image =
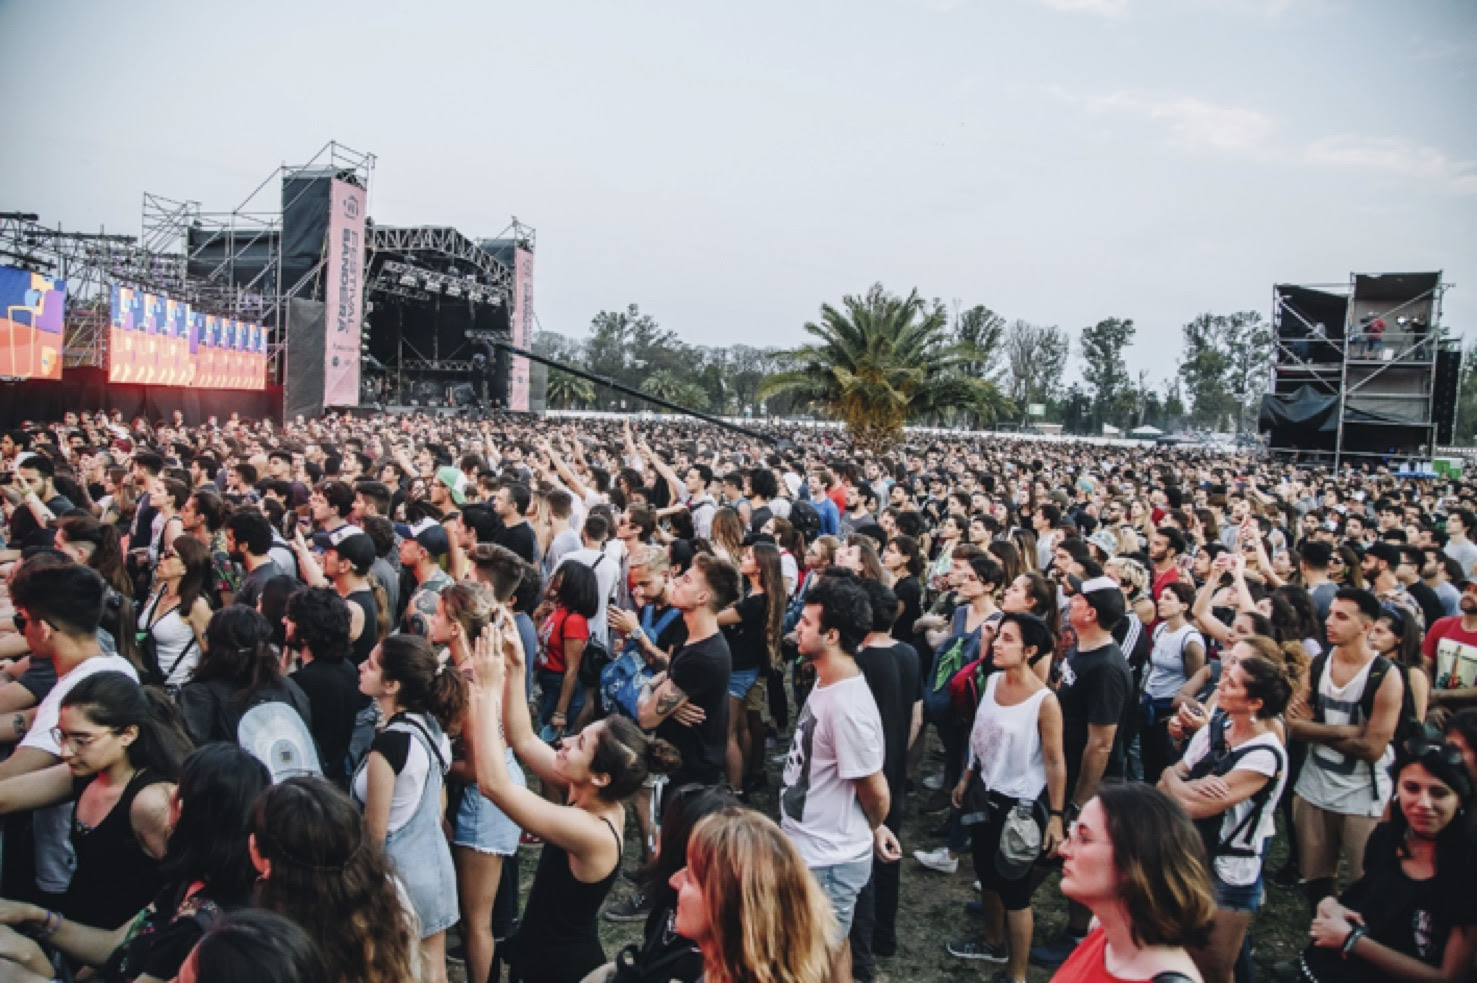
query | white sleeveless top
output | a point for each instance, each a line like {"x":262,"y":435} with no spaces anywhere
{"x":1337,"y":782}
{"x":1005,"y":744}
{"x":172,"y":637}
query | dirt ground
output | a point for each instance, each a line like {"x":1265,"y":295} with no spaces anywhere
{"x":932,"y":907}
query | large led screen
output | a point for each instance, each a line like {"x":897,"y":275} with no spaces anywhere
{"x":32,"y":312}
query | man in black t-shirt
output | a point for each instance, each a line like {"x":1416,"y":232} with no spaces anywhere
{"x":892,"y":673}
{"x":317,"y":623}
{"x":516,"y":534}
{"x":1095,"y":694}
{"x":689,"y":702}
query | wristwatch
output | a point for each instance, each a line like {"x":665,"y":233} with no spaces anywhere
{"x":638,"y":634}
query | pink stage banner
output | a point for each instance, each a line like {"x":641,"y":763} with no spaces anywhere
{"x":521,"y":328}
{"x":344,"y":294}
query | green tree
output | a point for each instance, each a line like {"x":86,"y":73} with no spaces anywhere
{"x":666,"y":384}
{"x":1036,"y":360}
{"x":1225,"y":364}
{"x":880,"y":361}
{"x":567,"y":391}
{"x":1104,"y":371}
{"x":983,"y":330}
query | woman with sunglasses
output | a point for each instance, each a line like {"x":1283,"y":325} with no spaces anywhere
{"x":177,"y":613}
{"x":1412,"y":915}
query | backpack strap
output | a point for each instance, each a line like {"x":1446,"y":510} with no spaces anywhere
{"x":1315,"y":680}
{"x":430,"y":742}
{"x":1226,"y":763}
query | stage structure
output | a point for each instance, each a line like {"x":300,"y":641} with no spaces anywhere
{"x":438,"y":303}
{"x":1363,"y":369}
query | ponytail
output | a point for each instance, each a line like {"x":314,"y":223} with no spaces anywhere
{"x":111,"y":699}
{"x":629,"y":756}
{"x":381,"y":609}
{"x":428,"y":684}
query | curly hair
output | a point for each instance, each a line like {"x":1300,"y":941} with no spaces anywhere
{"x":329,"y":877}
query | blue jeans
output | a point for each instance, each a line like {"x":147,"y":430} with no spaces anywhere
{"x":548,"y":700}
{"x":842,"y":883}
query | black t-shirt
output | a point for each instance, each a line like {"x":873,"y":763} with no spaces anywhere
{"x":701,"y":670}
{"x":758,"y":517}
{"x":1415,"y":918}
{"x":1431,"y":606}
{"x":910,"y":593}
{"x":746,"y":639}
{"x":893,"y":677}
{"x":333,"y":693}
{"x":253,"y":582}
{"x":364,"y":644}
{"x":1097,"y":688}
{"x":520,"y":539}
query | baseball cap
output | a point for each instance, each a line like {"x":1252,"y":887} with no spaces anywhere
{"x":434,"y":539}
{"x":452,"y":479}
{"x":1105,"y":541}
{"x":1384,"y":551}
{"x":1105,"y":596}
{"x":357,"y":549}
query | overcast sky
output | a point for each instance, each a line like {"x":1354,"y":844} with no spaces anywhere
{"x":729,"y":167}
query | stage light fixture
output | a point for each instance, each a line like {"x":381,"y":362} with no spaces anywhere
{"x":407,"y":280}
{"x":453,"y":290}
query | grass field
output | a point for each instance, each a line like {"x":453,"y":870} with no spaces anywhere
{"x":932,"y":908}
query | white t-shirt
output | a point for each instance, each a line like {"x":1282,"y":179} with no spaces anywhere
{"x":1167,"y":660}
{"x":837,"y":741}
{"x":53,"y":825}
{"x":410,"y":780}
{"x":1243,"y":871}
{"x":607,"y":576}
{"x":1338,"y":782}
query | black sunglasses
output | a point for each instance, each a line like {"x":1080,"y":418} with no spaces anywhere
{"x":21,"y":621}
{"x":1426,"y":751}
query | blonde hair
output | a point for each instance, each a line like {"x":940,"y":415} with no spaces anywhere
{"x":652,"y":559}
{"x":470,"y":605}
{"x":769,"y":920}
{"x":1133,"y":574}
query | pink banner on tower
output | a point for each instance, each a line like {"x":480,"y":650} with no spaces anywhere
{"x":344,"y":294}
{"x":521,"y":328}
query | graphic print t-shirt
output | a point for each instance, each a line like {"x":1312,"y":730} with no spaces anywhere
{"x":837,"y":741}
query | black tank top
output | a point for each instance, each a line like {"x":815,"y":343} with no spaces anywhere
{"x":365,"y":643}
{"x":558,"y":940}
{"x":114,"y":878}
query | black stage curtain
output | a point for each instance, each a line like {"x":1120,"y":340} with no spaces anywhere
{"x":87,"y":389}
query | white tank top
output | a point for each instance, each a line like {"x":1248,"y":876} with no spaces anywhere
{"x":1005,"y":744}
{"x":1338,"y":782}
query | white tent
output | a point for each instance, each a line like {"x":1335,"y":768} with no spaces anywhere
{"x":1146,"y":432}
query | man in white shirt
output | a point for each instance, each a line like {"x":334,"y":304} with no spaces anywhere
{"x":835,"y":795}
{"x":607,"y":569}
{"x":58,"y":609}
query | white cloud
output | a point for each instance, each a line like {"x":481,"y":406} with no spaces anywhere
{"x":1397,"y":157}
{"x":1103,"y":8}
{"x":1193,"y":123}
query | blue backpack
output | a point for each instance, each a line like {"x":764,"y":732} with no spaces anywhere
{"x":622,"y":680}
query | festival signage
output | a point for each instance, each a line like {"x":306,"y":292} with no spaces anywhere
{"x":343,"y":294}
{"x":156,"y":340}
{"x":521,"y":328}
{"x":32,"y":313}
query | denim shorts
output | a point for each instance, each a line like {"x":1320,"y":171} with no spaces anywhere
{"x":548,"y":700}
{"x":740,"y":681}
{"x":842,"y":883}
{"x":1244,"y":899}
{"x":482,"y":826}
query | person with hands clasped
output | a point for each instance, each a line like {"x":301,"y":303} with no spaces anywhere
{"x":1015,"y":752}
{"x":593,"y":772}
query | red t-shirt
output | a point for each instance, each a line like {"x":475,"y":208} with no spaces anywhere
{"x":1453,"y":653}
{"x":1088,"y":962}
{"x":560,"y":626}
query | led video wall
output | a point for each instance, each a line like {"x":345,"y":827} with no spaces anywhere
{"x":32,"y":310}
{"x":157,"y":341}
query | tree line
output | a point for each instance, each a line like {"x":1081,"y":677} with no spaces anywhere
{"x":902,"y":358}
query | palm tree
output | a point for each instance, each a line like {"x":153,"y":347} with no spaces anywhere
{"x":883,"y":361}
{"x":566,"y":391}
{"x":668,"y":385}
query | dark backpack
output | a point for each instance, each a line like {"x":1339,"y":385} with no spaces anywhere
{"x":1406,"y":726}
{"x":1221,"y":760}
{"x":805,"y":519}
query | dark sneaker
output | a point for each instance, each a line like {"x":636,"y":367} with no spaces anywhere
{"x":978,"y":949}
{"x":634,"y":909}
{"x":1055,"y":952}
{"x":975,"y":908}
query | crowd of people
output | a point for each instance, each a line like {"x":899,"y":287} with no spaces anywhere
{"x":284,"y":702}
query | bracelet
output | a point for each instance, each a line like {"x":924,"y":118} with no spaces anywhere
{"x":1057,"y":813}
{"x":1355,"y":934}
{"x":50,"y":925}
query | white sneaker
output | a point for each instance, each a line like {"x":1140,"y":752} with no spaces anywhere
{"x":934,"y":782}
{"x":938,"y":860}
{"x":977,"y":887}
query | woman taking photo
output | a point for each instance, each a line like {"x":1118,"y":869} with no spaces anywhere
{"x":1015,"y":753}
{"x":483,"y":837}
{"x":1411,"y":916}
{"x":1228,"y":783}
{"x":1135,"y":859}
{"x":594,"y":772}
{"x":319,"y":866}
{"x":748,"y":901}
{"x":401,"y":780}
{"x":122,"y":745}
{"x":176,"y":615}
{"x":752,"y":627}
{"x":207,"y":869}
{"x":574,"y":594}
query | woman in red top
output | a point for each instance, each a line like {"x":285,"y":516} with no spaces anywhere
{"x":1135,"y":859}
{"x":575,"y":595}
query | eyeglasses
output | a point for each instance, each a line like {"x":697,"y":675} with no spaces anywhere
{"x":1427,"y":752}
{"x":78,"y":742}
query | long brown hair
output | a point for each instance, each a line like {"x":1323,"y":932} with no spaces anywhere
{"x":772,"y":582}
{"x":1163,"y":873}
{"x":329,"y":877}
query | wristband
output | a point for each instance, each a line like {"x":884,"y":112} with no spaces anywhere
{"x":1057,"y":814}
{"x":1355,"y":934}
{"x":638,"y":634}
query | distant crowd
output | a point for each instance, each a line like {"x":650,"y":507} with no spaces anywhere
{"x":282,"y":703}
